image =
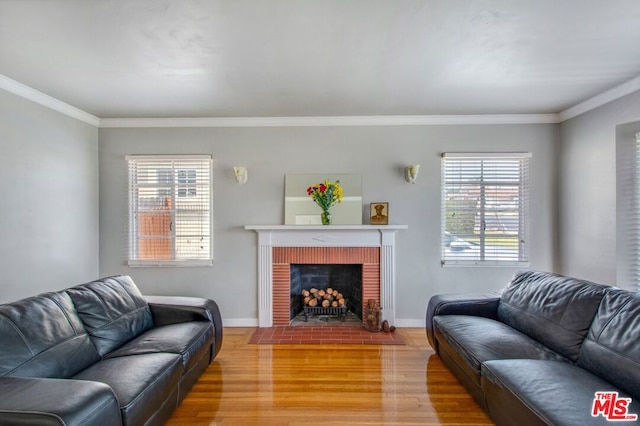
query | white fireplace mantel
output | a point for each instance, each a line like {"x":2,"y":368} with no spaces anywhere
{"x":270,"y":236}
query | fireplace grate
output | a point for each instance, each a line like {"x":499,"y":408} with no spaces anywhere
{"x":340,"y":311}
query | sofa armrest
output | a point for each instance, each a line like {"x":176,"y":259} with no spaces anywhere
{"x":479,"y":305}
{"x":36,"y":401}
{"x":171,"y":310}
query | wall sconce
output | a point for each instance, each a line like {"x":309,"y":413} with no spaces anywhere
{"x":241,"y":174}
{"x":411,"y":173}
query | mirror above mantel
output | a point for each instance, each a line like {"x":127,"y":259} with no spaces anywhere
{"x":300,"y":209}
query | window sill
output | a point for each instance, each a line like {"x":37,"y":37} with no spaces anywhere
{"x":482,"y":264}
{"x":170,"y":263}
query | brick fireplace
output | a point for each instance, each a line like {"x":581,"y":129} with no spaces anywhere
{"x":283,"y":257}
{"x":279,"y":246}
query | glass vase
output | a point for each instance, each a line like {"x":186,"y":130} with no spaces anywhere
{"x":326,"y":217}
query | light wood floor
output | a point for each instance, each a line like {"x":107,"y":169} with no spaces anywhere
{"x":301,"y":385}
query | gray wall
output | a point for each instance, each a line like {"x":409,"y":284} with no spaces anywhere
{"x":378,"y":153}
{"x":50,"y":227}
{"x":49,"y":193}
{"x":587,"y":179}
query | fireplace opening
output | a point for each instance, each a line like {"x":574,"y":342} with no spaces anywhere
{"x":345,"y":278}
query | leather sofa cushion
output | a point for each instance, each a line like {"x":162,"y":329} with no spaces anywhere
{"x":479,"y":305}
{"x":171,"y":310}
{"x":475,"y":340}
{"x":142,"y":383}
{"x":552,"y":309}
{"x":525,"y":391}
{"x":112,"y":310}
{"x":190,"y":340}
{"x":41,"y":402}
{"x":43,"y":336}
{"x":612,"y":347}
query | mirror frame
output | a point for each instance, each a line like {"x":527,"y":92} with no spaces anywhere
{"x":300,"y":209}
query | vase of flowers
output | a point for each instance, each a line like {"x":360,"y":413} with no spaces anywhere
{"x":325,"y":195}
{"x":326,"y":217}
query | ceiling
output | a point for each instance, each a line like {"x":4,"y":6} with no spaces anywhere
{"x":314,"y":58}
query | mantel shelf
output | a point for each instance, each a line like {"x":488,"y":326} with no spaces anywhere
{"x":324,"y":227}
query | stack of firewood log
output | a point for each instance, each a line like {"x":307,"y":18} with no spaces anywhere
{"x":327,"y":298}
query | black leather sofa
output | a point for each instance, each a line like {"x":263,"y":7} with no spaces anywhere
{"x":538,"y":352}
{"x":102,"y":354}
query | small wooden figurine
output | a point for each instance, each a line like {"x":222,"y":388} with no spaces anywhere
{"x":372,"y":315}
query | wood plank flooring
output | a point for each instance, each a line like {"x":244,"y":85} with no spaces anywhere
{"x":333,"y":384}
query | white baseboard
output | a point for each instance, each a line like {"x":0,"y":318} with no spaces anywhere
{"x":409,"y":322}
{"x":240,"y":322}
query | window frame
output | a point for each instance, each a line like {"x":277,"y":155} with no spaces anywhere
{"x":524,"y":217}
{"x":176,"y":189}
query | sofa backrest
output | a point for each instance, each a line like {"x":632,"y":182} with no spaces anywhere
{"x":43,"y":336}
{"x":611,"y":349}
{"x":552,"y":309}
{"x":113,"y":311}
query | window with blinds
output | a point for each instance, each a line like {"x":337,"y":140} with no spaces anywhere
{"x":635,"y":216}
{"x":628,"y":209}
{"x":485,"y":209}
{"x":170,"y":210}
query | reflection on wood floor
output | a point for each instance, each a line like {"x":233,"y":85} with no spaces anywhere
{"x":327,"y":385}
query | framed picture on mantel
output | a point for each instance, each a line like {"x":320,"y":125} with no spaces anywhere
{"x":379,"y":213}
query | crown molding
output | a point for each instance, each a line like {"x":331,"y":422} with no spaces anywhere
{"x":50,"y":102}
{"x":596,"y":101}
{"x":394,"y":120}
{"x":600,"y":99}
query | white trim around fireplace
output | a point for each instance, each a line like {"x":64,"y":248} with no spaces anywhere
{"x":270,"y":236}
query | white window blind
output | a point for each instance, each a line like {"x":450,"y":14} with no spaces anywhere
{"x":485,"y":209}
{"x":635,"y":214}
{"x":628,"y":211}
{"x":170,"y":210}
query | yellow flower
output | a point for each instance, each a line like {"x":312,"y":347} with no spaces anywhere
{"x":337,"y":192}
